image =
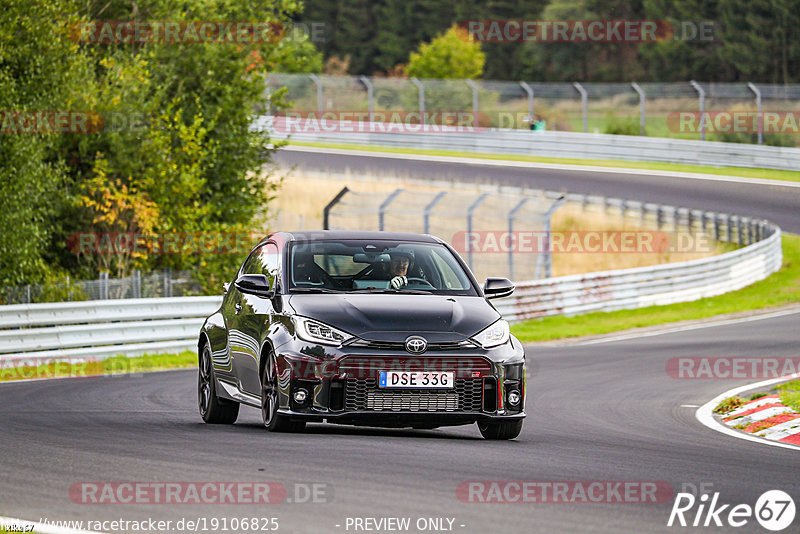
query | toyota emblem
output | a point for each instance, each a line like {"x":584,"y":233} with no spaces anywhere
{"x":416,"y":344}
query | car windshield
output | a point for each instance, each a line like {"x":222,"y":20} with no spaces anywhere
{"x":376,"y":266}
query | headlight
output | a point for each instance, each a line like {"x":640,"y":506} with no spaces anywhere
{"x":495,"y":334}
{"x":310,"y":330}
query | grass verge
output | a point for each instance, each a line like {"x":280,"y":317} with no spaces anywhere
{"x":769,"y":174}
{"x":781,"y":288}
{"x":790,"y":394}
{"x":47,"y":368}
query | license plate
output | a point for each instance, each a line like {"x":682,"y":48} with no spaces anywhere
{"x":416,"y":379}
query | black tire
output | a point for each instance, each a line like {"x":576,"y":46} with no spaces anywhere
{"x":269,"y":401}
{"x":213,"y":410}
{"x":502,"y":430}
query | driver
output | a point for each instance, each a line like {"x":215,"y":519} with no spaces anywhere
{"x":398,"y":269}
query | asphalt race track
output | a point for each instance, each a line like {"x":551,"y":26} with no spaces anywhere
{"x":603,"y":412}
{"x":599,"y":412}
{"x":777,"y":203}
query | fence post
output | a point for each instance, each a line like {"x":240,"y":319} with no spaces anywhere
{"x":69,"y":290}
{"x":511,"y":215}
{"x":756,"y":91}
{"x":167,"y":280}
{"x":739,"y":229}
{"x":370,"y":96}
{"x":428,"y":209}
{"x":327,"y":210}
{"x":384,"y":205}
{"x":421,"y":90}
{"x":104,"y":285}
{"x":701,"y":93}
{"x":320,"y":99}
{"x":137,"y":284}
{"x":529,"y":90}
{"x":642,"y":97}
{"x":548,"y":256}
{"x":729,"y":228}
{"x":470,"y":210}
{"x":475,"y":102}
{"x":584,"y":105}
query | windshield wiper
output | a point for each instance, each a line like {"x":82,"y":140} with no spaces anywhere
{"x":313,"y":290}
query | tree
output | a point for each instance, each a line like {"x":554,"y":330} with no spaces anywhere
{"x":451,"y":55}
{"x":40,"y":70}
{"x":176,"y":154}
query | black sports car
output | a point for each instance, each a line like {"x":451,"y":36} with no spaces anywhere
{"x":364,"y":328}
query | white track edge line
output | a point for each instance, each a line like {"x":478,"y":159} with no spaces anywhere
{"x":705,"y":413}
{"x":552,"y":166}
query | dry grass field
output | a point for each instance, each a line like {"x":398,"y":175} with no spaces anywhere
{"x":302,"y":197}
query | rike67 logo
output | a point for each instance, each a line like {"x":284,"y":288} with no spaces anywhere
{"x":774,"y":510}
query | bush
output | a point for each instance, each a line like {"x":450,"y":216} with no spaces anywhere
{"x":621,"y":125}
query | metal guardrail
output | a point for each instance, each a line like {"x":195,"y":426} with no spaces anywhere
{"x":571,"y":145}
{"x":99,"y":329}
{"x":645,"y":286}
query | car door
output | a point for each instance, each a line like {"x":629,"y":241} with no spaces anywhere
{"x":252,"y":316}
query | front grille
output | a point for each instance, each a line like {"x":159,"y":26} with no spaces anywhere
{"x":363,"y":394}
{"x":400,"y":345}
{"x":368,"y":366}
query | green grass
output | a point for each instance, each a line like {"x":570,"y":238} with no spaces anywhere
{"x":729,"y":404}
{"x":781,"y":288}
{"x":790,"y":394}
{"x":770,"y":174}
{"x":114,"y":365}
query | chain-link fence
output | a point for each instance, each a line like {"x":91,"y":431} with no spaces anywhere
{"x":458,"y":218}
{"x":733,"y":112}
{"x":513,"y":235}
{"x":166,"y":283}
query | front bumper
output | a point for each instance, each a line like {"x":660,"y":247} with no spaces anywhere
{"x":342,"y":387}
{"x":399,"y":419}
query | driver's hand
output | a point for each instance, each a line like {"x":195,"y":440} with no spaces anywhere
{"x":398,"y":282}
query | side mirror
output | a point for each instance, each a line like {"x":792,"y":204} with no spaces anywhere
{"x":254,"y":284}
{"x":495,"y":288}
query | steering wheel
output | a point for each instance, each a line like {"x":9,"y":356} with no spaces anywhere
{"x":420,"y":281}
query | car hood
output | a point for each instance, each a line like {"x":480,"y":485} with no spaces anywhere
{"x":389,"y":317}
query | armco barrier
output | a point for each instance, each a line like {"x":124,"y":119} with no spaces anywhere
{"x":645,"y":286}
{"x":553,"y":144}
{"x":99,"y":329}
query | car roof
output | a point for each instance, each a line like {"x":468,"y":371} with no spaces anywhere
{"x":323,"y":235}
